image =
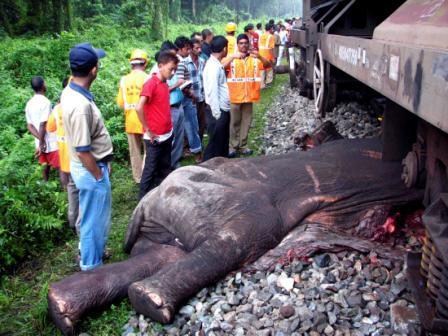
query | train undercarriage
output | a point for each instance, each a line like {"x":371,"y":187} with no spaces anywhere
{"x":397,"y":51}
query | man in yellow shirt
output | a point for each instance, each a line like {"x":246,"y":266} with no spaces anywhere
{"x":127,"y":98}
{"x":230,"y":31}
{"x":55,"y":124}
{"x":266,"y":47}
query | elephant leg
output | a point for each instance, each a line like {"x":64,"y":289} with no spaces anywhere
{"x":144,"y":244}
{"x":74,"y":296}
{"x":160,"y":295}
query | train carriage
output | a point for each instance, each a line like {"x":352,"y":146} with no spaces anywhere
{"x":399,"y":50}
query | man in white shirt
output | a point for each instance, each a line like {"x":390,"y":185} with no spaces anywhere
{"x":217,"y":98}
{"x":283,"y":34}
{"x":37,"y":111}
{"x":259,"y":29}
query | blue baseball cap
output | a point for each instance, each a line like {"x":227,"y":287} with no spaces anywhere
{"x":84,"y":57}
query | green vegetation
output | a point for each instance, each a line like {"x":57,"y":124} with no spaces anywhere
{"x":23,"y":295}
{"x":19,"y":17}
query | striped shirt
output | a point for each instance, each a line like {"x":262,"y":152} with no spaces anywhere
{"x":196,"y":77}
{"x":182,"y":70}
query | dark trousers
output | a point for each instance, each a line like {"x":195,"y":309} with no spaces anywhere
{"x":218,"y":135}
{"x":157,"y":165}
{"x":201,"y":107}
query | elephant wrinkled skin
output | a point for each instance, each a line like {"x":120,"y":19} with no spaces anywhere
{"x":204,"y":221}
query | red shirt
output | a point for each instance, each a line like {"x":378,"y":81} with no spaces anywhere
{"x":254,"y":41}
{"x":157,"y":108}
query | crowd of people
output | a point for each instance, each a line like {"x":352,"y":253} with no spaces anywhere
{"x":200,"y":86}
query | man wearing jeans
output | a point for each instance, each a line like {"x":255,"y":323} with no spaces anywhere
{"x":195,"y":66}
{"x":217,"y":97}
{"x":183,"y":45}
{"x":177,"y":118}
{"x":90,"y":151}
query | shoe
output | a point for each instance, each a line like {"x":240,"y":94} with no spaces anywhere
{"x":232,"y":154}
{"x":247,"y":152}
{"x":198,"y":157}
{"x":187,"y":154}
{"x":107,"y":254}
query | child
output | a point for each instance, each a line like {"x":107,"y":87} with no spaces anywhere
{"x":154,"y":112}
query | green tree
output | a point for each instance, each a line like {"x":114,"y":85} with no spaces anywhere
{"x":4,"y":21}
{"x":68,"y":14}
{"x":57,"y":15}
{"x":175,"y":10}
{"x":157,"y":20}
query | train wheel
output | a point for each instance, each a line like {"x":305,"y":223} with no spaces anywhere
{"x":319,"y":90}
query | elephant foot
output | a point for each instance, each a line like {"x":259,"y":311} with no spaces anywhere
{"x":59,"y":313}
{"x":73,"y":297}
{"x":149,"y":302}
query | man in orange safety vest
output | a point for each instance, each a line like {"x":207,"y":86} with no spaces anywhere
{"x":266,"y":46}
{"x":127,"y":98}
{"x":243,"y":79}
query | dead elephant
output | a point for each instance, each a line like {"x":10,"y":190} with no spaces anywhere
{"x":205,"y":221}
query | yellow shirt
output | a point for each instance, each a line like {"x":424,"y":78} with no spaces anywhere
{"x":231,"y":47}
{"x":128,"y":97}
{"x":54,"y":124}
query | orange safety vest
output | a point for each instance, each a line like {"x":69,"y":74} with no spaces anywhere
{"x":128,"y":97}
{"x":244,"y":80}
{"x":266,"y":46}
{"x":55,"y":124}
{"x":232,"y":44}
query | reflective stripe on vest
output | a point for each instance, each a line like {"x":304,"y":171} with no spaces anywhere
{"x":243,"y":80}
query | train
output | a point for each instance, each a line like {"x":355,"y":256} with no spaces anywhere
{"x":397,"y":50}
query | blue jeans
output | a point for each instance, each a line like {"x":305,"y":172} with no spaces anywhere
{"x":191,"y":125}
{"x":177,"y":117}
{"x":95,"y":204}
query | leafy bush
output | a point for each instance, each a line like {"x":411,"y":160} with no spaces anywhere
{"x":8,"y":138}
{"x":119,"y":139}
{"x":215,"y":13}
{"x":132,"y":13}
{"x":33,"y":212}
{"x":87,"y":9}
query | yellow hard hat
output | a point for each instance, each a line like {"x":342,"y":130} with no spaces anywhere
{"x":230,"y":27}
{"x":138,"y":54}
